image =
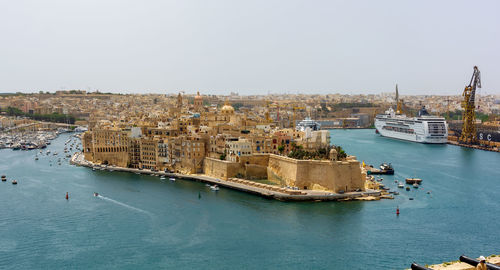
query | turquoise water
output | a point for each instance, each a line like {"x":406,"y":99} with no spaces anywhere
{"x":144,"y":223}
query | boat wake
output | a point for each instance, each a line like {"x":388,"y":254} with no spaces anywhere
{"x":122,"y":204}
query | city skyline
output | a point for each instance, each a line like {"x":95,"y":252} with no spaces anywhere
{"x":250,"y":48}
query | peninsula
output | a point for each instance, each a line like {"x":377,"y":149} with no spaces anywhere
{"x":240,"y":150}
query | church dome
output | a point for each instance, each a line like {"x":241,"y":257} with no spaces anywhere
{"x":198,"y":97}
{"x":227,"y":108}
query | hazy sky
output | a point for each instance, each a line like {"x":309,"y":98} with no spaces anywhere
{"x":249,"y":47}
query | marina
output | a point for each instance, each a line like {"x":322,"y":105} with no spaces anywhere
{"x":28,"y":140}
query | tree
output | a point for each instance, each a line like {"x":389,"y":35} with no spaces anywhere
{"x":341,"y":154}
{"x":281,"y":148}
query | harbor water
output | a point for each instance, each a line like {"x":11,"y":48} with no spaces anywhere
{"x":142,"y":222}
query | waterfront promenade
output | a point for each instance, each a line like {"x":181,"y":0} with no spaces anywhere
{"x":260,"y":189}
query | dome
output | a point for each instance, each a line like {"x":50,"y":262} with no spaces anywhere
{"x":198,"y":97}
{"x":227,"y":109}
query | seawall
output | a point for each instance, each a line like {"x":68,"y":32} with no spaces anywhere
{"x":263,"y":190}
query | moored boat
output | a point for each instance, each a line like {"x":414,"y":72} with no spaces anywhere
{"x":413,"y":180}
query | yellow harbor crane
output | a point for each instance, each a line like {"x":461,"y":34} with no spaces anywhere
{"x":267,"y":116}
{"x":468,"y":135}
{"x":295,"y":108}
{"x":399,"y":102}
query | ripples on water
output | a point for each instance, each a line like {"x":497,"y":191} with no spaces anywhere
{"x":141,"y":222}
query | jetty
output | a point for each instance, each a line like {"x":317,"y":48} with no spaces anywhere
{"x":248,"y":186}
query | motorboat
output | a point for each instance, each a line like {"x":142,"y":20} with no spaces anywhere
{"x":96,"y":194}
{"x":415,"y":185}
{"x":386,"y":168}
{"x":407,"y":188}
{"x":214,"y":188}
{"x":413,"y":180}
{"x":14,"y":182}
{"x":401,"y":185}
{"x":172,"y":179}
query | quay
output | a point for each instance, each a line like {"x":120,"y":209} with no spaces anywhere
{"x":473,"y":146}
{"x":458,"y":265}
{"x":252,"y":187}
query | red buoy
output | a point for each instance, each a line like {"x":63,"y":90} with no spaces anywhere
{"x":397,"y":211}
{"x":67,"y":197}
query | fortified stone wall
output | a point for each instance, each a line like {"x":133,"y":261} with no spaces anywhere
{"x":316,"y":174}
{"x":255,"y":171}
{"x":323,"y":175}
{"x":221,"y":168}
{"x":257,"y":159}
{"x":119,"y":159}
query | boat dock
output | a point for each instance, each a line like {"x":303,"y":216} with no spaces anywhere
{"x":252,"y":187}
{"x":473,"y":146}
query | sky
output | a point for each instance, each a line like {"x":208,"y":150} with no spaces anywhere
{"x":249,"y":47}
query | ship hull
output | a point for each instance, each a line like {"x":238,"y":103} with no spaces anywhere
{"x":412,"y":137}
{"x":418,"y":130}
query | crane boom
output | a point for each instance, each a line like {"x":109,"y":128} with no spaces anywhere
{"x":468,"y":135}
{"x":475,"y":82}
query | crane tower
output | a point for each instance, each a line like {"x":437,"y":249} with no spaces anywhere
{"x":468,"y":135}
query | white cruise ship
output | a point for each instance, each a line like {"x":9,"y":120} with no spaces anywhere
{"x":423,"y":129}
{"x":308,"y":123}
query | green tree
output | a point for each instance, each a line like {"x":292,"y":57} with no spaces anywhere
{"x":281,"y":148}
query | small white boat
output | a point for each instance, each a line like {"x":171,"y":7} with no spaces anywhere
{"x":415,"y":185}
{"x":401,"y":185}
{"x":214,"y":188}
{"x":162,"y":177}
{"x":172,"y":179}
